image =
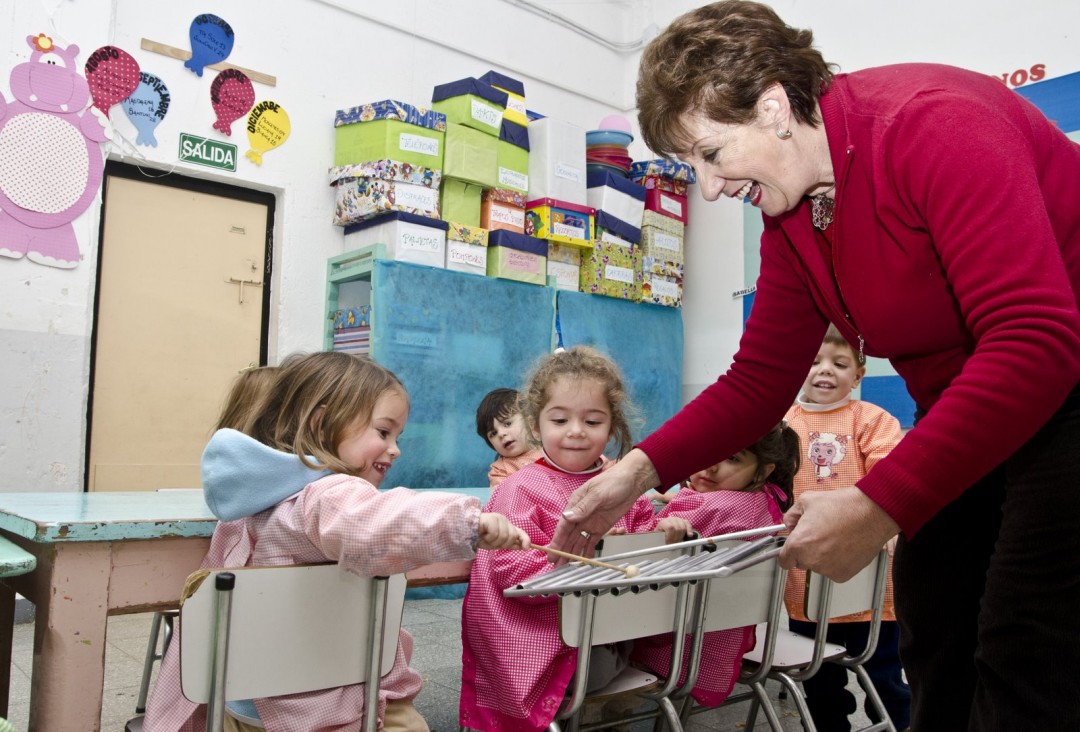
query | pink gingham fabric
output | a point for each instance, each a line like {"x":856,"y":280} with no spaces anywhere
{"x":515,"y":668}
{"x":711,"y":514}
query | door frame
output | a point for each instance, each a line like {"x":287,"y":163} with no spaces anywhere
{"x":118,"y":169}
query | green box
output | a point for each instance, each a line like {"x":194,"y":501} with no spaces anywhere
{"x":472,"y":103}
{"x":513,"y":164}
{"x":612,"y":268}
{"x":391,"y":139}
{"x":460,"y":202}
{"x":471,"y":156}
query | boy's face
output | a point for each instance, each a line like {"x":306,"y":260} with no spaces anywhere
{"x":835,"y":373}
{"x":509,"y":437}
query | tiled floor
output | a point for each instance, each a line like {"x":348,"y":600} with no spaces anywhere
{"x":435,"y":625}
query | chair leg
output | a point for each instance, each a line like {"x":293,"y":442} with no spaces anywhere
{"x":670,"y":713}
{"x":875,"y":699}
{"x":151,"y":656}
{"x":800,"y":701}
{"x":761,"y":699}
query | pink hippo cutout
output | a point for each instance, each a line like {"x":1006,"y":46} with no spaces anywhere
{"x":826,"y":450}
{"x":50,"y":156}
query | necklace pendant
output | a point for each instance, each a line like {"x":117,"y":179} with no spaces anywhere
{"x":821,"y":212}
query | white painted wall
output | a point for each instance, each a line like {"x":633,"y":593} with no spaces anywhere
{"x":329,"y":54}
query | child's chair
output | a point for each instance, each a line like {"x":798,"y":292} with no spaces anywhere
{"x":797,"y":658}
{"x":237,"y":626}
{"x":587,"y":620}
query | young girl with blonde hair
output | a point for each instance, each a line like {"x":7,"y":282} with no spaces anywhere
{"x":303,"y":482}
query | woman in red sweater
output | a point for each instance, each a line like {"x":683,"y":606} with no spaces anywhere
{"x":931,"y":213}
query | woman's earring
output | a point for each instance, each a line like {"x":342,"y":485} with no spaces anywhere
{"x":783,"y":134}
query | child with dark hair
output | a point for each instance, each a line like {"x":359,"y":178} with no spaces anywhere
{"x":751,"y":489}
{"x":499,"y":422}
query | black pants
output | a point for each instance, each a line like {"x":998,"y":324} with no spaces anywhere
{"x":827,"y":696}
{"x":987,"y":594}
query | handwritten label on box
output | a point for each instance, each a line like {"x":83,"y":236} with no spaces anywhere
{"x":665,"y":289}
{"x":671,"y":205}
{"x":467,"y":255}
{"x":416,"y":197}
{"x":522,"y":261}
{"x":619,"y":274}
{"x":569,"y":172}
{"x":508,"y":215}
{"x":485,"y":115}
{"x":418,"y":144}
{"x":667,"y":241}
{"x":513,"y":179}
{"x":418,"y":242}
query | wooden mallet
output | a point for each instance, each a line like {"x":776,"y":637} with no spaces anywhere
{"x":629,"y":570}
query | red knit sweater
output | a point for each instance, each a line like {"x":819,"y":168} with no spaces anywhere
{"x":955,"y":254}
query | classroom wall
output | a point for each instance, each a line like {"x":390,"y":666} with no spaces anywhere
{"x":329,"y":54}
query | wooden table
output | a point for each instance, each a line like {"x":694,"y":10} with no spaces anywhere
{"x":97,"y":554}
{"x":101,"y":554}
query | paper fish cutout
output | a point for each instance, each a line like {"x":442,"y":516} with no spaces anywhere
{"x":146,"y":107}
{"x":211,"y":41}
{"x":268,"y":127}
{"x":231,"y":95}
{"x":112,"y":74}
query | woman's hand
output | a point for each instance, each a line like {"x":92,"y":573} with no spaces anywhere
{"x":601,"y":501}
{"x":835,"y":533}
{"x":496,"y":532}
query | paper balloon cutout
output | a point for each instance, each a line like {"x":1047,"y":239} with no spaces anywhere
{"x":112,"y":74}
{"x":268,"y":127}
{"x":231,"y":95}
{"x":211,"y":41}
{"x":146,"y":107}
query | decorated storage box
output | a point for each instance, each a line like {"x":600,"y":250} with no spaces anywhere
{"x":389,"y":130}
{"x":501,"y":208}
{"x":617,"y":196}
{"x":513,"y":158}
{"x":668,"y":204}
{"x":663,"y":237}
{"x":471,"y":156}
{"x":514,"y":256}
{"x":460,"y":201}
{"x":661,"y":282}
{"x":662,"y":168}
{"x":560,"y":221}
{"x":407,"y":237}
{"x":466,"y":248}
{"x":381,"y":186}
{"x":557,"y":161}
{"x":564,"y":265}
{"x":612,"y":268}
{"x":515,"y":96}
{"x":607,"y":225}
{"x":664,"y":184}
{"x":472,"y":103}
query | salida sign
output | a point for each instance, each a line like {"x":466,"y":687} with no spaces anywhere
{"x":211,"y":153}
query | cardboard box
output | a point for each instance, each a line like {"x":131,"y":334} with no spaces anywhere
{"x":472,"y":103}
{"x":607,"y":224}
{"x":662,"y":168}
{"x":612,"y":268}
{"x":513,"y":157}
{"x":564,"y":265}
{"x":557,"y":161}
{"x":513,"y":256}
{"x":616,"y":196}
{"x":466,"y":248}
{"x":389,"y":130}
{"x":471,"y":156}
{"x":515,"y":96}
{"x":502,"y":208}
{"x":664,"y":184}
{"x":407,"y":237}
{"x":369,"y":189}
{"x":661,"y":282}
{"x":663,"y":237}
{"x":560,"y":221}
{"x":460,"y":201}
{"x":668,"y":204}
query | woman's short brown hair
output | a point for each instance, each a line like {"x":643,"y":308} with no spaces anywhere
{"x":717,"y":60}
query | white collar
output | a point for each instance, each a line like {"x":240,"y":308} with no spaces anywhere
{"x":595,"y":467}
{"x":813,"y":407}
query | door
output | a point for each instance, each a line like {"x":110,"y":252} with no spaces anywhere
{"x":181,"y":309}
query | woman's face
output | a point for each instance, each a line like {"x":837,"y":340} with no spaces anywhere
{"x":750,"y":162}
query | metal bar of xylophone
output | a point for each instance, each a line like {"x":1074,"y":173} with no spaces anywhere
{"x":651,"y":574}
